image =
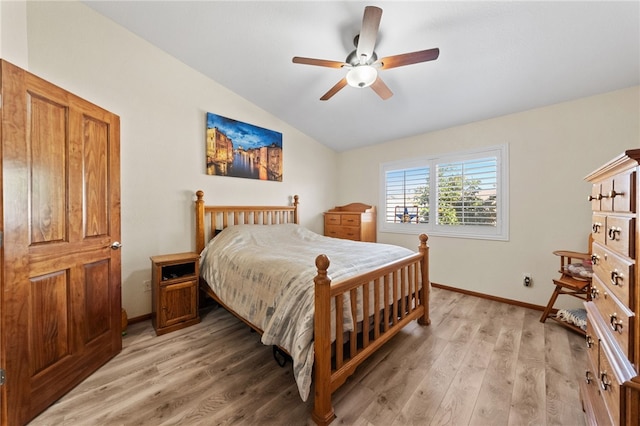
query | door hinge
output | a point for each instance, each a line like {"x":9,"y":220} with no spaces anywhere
{"x":1,"y":240}
{"x":2,"y":376}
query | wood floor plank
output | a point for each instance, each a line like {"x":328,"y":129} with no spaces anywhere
{"x":499,"y":378}
{"x":397,"y":385}
{"x":480,"y":362}
{"x":528,"y":405}
{"x":486,"y":316}
{"x":561,"y":386}
{"x":424,"y":402}
{"x":457,"y":405}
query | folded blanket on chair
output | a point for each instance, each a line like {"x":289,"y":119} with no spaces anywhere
{"x":579,"y":270}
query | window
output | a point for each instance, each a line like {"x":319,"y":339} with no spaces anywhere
{"x":459,"y":195}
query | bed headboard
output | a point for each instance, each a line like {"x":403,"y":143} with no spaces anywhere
{"x":212,"y":218}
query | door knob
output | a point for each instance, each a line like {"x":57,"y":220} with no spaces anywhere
{"x":115,"y":245}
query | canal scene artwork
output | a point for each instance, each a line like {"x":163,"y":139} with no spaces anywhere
{"x":242,"y":150}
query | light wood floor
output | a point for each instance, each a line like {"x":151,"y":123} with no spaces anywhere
{"x":480,"y":362}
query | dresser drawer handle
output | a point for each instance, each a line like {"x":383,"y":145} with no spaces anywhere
{"x":596,"y":227}
{"x":616,"y":324}
{"x":613,"y":231}
{"x":596,"y":197}
{"x":588,"y":377}
{"x":589,"y":341}
{"x":595,"y":293}
{"x":616,"y":277}
{"x":595,"y":259}
{"x":605,"y":383}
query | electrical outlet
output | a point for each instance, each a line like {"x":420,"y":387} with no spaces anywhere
{"x":147,"y":285}
{"x":527,"y":281}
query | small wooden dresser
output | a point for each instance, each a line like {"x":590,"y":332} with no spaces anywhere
{"x":355,"y":221}
{"x":611,"y":389}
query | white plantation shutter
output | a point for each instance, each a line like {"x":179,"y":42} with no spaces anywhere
{"x":467,"y":192}
{"x":401,"y":189}
{"x":459,"y":194}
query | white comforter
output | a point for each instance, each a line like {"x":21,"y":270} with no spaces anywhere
{"x":265,"y":274}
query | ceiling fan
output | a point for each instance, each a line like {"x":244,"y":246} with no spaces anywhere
{"x":363,"y":63}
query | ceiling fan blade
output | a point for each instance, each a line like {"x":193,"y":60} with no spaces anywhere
{"x":409,"y":58}
{"x":335,"y":89}
{"x":381,"y":89}
{"x":368,"y":33}
{"x":318,"y":62}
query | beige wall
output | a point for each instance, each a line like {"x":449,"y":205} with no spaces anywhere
{"x":13,"y":32}
{"x":162,"y":106}
{"x":551,"y":150}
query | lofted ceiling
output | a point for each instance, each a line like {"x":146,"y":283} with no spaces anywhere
{"x":496,"y":58}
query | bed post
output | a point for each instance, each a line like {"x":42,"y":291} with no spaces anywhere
{"x":426,"y":284}
{"x":200,"y":221}
{"x":323,"y":412}
{"x":295,"y":209}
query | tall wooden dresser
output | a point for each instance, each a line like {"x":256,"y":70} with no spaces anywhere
{"x":355,"y":221}
{"x":611,"y":389}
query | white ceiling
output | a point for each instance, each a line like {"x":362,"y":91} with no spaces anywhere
{"x":496,"y":58}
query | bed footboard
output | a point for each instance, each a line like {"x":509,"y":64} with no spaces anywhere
{"x":397,"y":294}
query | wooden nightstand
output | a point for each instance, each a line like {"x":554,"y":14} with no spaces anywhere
{"x":174,"y":291}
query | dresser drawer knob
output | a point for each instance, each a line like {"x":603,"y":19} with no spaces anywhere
{"x":595,"y":197}
{"x":605,"y":383}
{"x":589,"y":341}
{"x":613,"y":232}
{"x":596,"y":227}
{"x":588,"y":377}
{"x":614,"y":194}
{"x":616,"y":277}
{"x":616,"y":324}
{"x":595,"y":259}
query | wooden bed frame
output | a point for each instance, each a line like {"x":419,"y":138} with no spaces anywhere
{"x":402,"y":287}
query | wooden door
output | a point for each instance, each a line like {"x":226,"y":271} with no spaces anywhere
{"x":61,"y":306}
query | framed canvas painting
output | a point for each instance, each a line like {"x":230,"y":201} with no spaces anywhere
{"x":242,"y":150}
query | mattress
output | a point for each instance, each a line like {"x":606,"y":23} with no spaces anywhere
{"x":265,"y":274}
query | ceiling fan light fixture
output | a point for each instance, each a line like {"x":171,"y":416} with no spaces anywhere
{"x":362,"y":76}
